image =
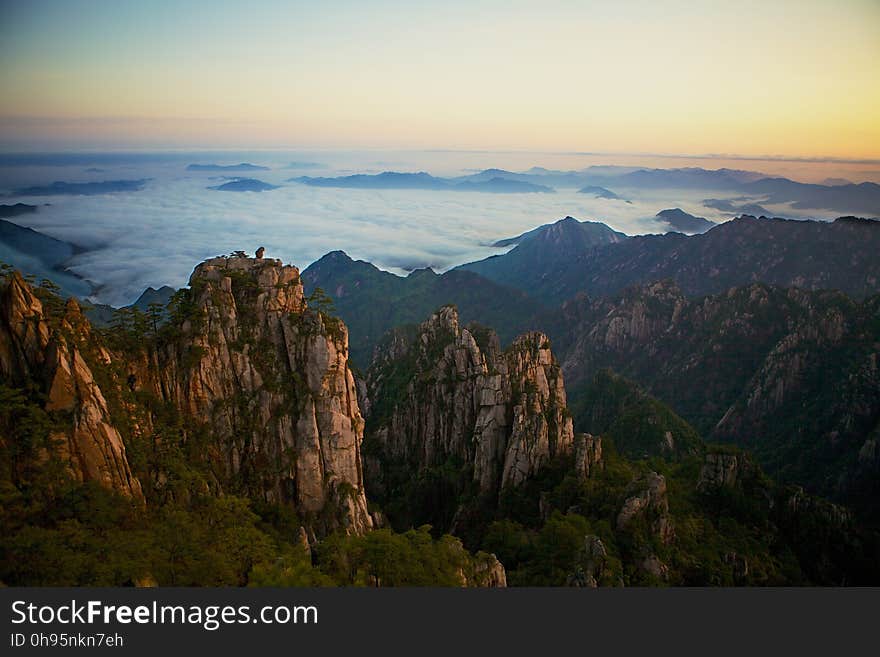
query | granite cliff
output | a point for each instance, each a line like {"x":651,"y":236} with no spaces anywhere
{"x":242,"y":360}
{"x":447,"y":399}
{"x":51,"y":358}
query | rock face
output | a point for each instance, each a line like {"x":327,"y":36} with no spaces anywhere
{"x":489,"y":573}
{"x":271,"y":379}
{"x":243,"y":359}
{"x":52,"y":357}
{"x":729,"y":470}
{"x":719,"y":471}
{"x":587,"y":454}
{"x":449,"y":392}
{"x":789,"y":374}
{"x":591,"y":564}
{"x":649,"y":499}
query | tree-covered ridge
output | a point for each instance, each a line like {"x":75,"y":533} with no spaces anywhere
{"x":789,"y":374}
{"x":372,"y":301}
{"x":639,"y":425}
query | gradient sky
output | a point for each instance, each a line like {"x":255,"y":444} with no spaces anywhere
{"x":787,"y":77}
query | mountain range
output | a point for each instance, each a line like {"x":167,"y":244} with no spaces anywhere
{"x":587,"y":409}
{"x":233,"y":444}
{"x":243,"y":166}
{"x":757,"y":188}
{"x":733,"y":328}
{"x":776,"y":251}
{"x":7,"y":211}
{"x":61,"y":188}
{"x":422,"y":180}
{"x":41,"y":256}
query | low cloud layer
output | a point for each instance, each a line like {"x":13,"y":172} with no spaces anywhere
{"x":156,"y":236}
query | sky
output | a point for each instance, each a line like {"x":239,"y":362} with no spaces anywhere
{"x":793,"y":78}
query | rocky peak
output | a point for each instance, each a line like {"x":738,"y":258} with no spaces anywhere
{"x":271,"y":378}
{"x":25,"y":333}
{"x":443,"y":321}
{"x":33,"y":353}
{"x":452,"y":393}
{"x":264,"y":283}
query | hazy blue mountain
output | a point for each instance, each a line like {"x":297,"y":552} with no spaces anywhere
{"x":421,"y":180}
{"x":594,"y":175}
{"x":543,"y":252}
{"x":535,"y":175}
{"x":502,"y":186}
{"x":51,"y":251}
{"x":305,"y":165}
{"x":243,"y":166}
{"x":59,"y":188}
{"x":686,"y":178}
{"x":861,"y":198}
{"x":600,"y":192}
{"x":386,"y":180}
{"x":683,"y":222}
{"x":729,"y":205}
{"x":7,"y":211}
{"x":510,"y":241}
{"x":782,"y":252}
{"x":489,"y":174}
{"x":244,"y":185}
{"x":41,"y":256}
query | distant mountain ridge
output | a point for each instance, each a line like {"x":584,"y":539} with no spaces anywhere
{"x":41,"y":256}
{"x":61,"y":188}
{"x":755,"y":187}
{"x":7,"y":211}
{"x":600,"y":192}
{"x":775,"y":251}
{"x":542,"y":253}
{"x":243,"y":166}
{"x":683,"y":222}
{"x":422,"y":180}
{"x":244,"y":185}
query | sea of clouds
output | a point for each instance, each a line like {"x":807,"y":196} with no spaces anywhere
{"x":156,"y":236}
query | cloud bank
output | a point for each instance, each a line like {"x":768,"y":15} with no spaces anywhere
{"x":156,"y":236}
